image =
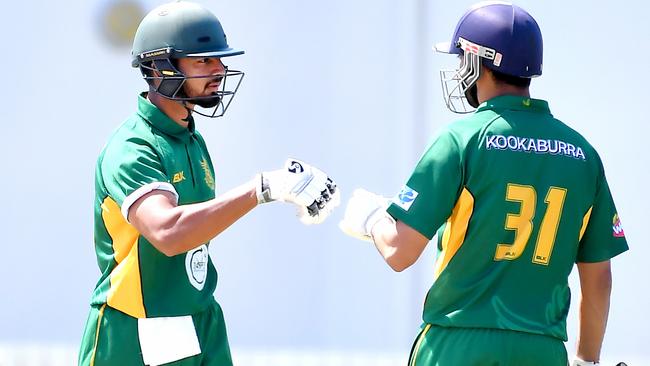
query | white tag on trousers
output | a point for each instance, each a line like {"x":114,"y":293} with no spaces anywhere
{"x":167,"y":339}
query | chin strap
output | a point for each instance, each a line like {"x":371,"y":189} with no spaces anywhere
{"x":189,"y":118}
{"x":472,"y":96}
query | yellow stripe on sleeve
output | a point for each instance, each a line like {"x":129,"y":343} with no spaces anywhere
{"x":585,"y":221}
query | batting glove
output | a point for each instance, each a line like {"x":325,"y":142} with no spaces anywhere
{"x":315,"y":194}
{"x":579,"y":362}
{"x":363,"y":211}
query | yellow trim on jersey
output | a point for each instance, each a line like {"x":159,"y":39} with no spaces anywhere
{"x":123,"y":234}
{"x":125,"y":293}
{"x":455,"y":230}
{"x":414,"y":356}
{"x":99,"y":322}
{"x":585,"y":221}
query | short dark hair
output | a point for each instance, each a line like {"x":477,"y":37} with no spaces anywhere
{"x":512,"y":80}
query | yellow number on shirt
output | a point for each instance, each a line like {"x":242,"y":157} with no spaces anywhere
{"x":548,"y":229}
{"x":522,"y":223}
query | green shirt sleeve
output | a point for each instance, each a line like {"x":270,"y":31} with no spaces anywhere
{"x":130,"y":166}
{"x":603,"y":238}
{"x":428,"y":198}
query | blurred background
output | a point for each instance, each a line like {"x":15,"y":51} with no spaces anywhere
{"x":350,"y":86}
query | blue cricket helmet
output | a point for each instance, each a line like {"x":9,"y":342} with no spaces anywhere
{"x":504,"y":28}
{"x":498,"y":35}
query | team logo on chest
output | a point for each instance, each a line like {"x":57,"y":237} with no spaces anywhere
{"x":209,"y":179}
{"x":196,"y":266}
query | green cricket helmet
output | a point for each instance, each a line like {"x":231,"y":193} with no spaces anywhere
{"x":183,"y":29}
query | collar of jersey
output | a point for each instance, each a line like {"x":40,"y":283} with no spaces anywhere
{"x":515,"y":102}
{"x":160,"y":120}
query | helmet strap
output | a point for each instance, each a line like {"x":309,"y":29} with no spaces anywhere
{"x":471,"y":94}
{"x":189,"y":119}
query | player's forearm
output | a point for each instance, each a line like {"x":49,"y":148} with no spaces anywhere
{"x":595,"y":284}
{"x":388,"y":246}
{"x":395,"y":248}
{"x":187,"y":226}
{"x":593,"y":321}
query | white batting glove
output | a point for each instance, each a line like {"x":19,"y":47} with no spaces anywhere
{"x":321,"y":209}
{"x":299,"y":183}
{"x":579,"y":362}
{"x":363,"y":211}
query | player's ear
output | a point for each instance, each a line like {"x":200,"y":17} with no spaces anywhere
{"x":487,"y":72}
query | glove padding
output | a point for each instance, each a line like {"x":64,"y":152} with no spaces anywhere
{"x":315,"y":194}
{"x":363,"y":211}
{"x":579,"y":362}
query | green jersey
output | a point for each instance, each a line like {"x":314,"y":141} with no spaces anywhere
{"x":516,"y":197}
{"x":149,"y":151}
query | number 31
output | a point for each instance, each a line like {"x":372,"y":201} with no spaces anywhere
{"x":522,"y":223}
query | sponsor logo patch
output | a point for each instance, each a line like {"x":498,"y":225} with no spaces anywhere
{"x":617,"y":227}
{"x":295,"y":167}
{"x":405,"y":198}
{"x":533,"y":145}
{"x":155,"y":53}
{"x":178,"y":177}
{"x":196,"y":265}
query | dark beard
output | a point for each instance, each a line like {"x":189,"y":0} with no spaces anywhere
{"x":206,"y":102}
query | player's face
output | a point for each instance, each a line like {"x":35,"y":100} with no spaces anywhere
{"x":204,"y":75}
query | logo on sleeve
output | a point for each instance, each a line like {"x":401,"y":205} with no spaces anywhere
{"x":617,"y":227}
{"x":405,"y":198}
